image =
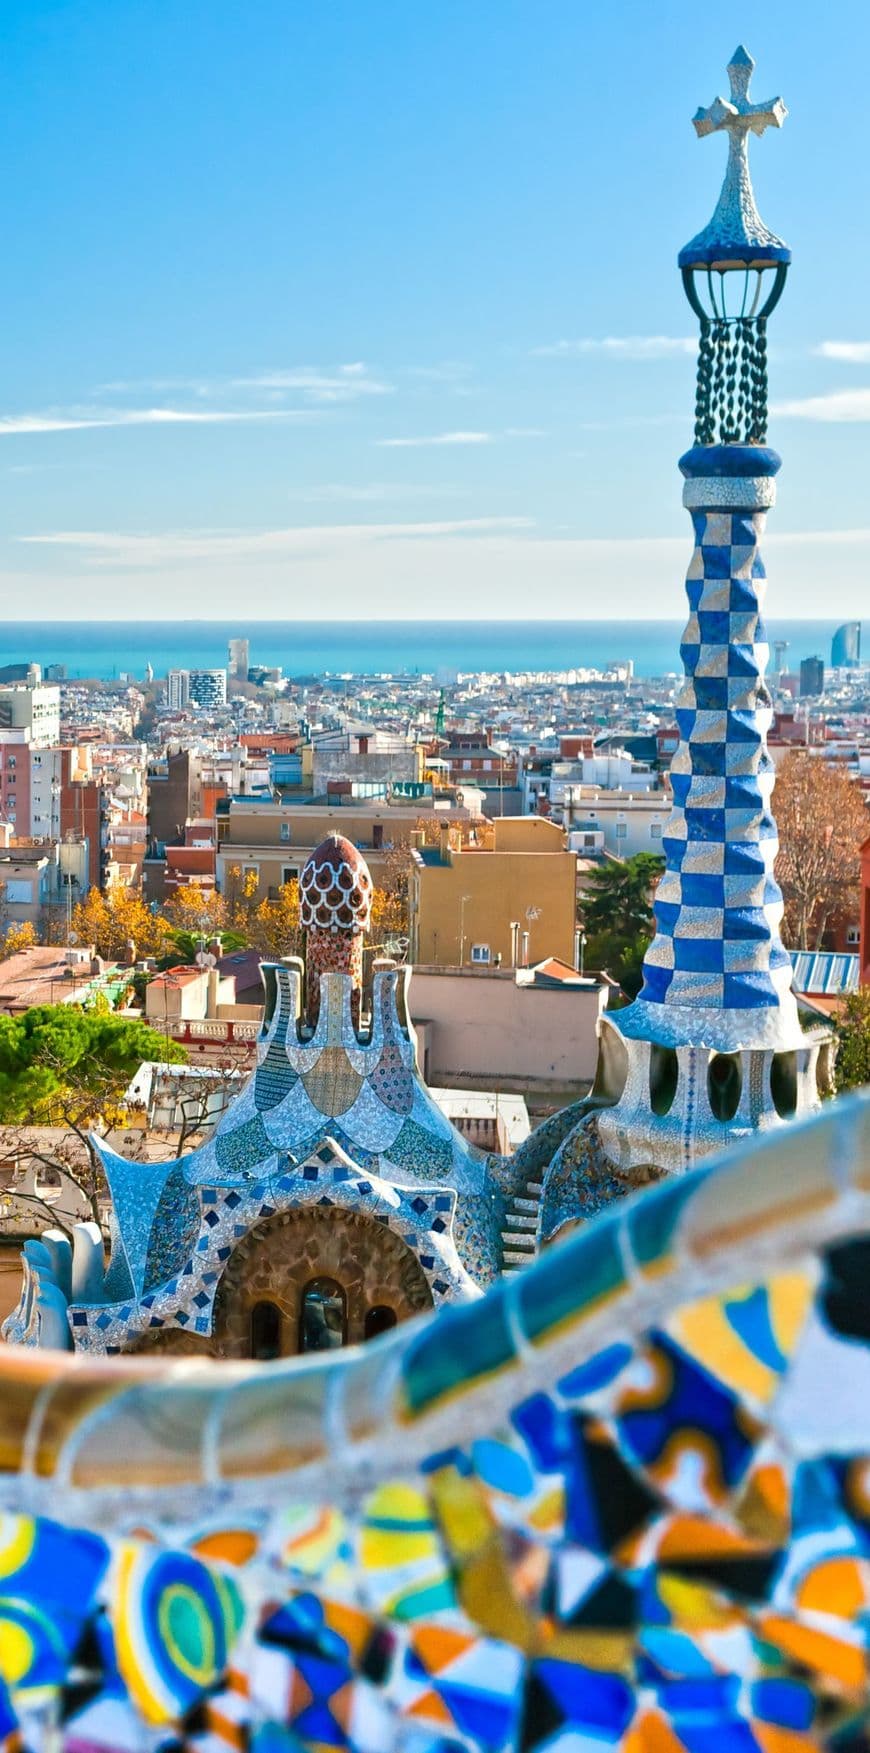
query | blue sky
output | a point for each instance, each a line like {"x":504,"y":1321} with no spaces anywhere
{"x":372,"y":306}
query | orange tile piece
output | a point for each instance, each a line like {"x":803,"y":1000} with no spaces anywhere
{"x":829,"y":1656}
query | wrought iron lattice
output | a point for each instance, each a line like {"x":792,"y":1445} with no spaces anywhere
{"x":731,"y":399}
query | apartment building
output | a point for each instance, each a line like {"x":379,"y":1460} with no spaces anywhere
{"x":509,"y":902}
{"x":273,"y":840}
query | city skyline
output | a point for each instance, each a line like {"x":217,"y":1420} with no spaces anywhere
{"x":345,"y":313}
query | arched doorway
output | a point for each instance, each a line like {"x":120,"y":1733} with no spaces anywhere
{"x":265,"y":1331}
{"x":322,"y":1316}
{"x":331,"y":1276}
{"x":379,"y":1319}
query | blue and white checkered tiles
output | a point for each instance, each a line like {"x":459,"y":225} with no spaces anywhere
{"x":718,"y":906}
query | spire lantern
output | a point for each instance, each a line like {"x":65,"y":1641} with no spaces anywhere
{"x":734,"y":273}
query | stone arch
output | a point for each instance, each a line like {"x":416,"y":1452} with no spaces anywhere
{"x":277,"y":1259}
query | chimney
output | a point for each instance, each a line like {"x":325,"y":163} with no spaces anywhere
{"x":445,"y":842}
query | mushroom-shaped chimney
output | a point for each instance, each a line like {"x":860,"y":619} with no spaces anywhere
{"x":335,"y":888}
{"x":335,"y":907}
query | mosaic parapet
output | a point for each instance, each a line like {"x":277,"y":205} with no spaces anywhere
{"x":620,"y":1503}
{"x":80,"y":1434}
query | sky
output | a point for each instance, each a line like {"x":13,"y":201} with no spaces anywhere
{"x":371,"y":307}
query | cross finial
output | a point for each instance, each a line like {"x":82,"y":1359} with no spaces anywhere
{"x":736,"y":232}
{"x":740,"y":116}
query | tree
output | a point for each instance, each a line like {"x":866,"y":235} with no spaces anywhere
{"x":273,"y":925}
{"x":59,"y":1063}
{"x":240,"y":895}
{"x":390,"y":920}
{"x":18,"y":937}
{"x":113,"y":922}
{"x":199,"y":912}
{"x":853,"y":1038}
{"x":68,"y":1069}
{"x":822,"y":821}
{"x":616,"y":914}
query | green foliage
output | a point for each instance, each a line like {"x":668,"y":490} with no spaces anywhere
{"x":185,"y":946}
{"x":853,"y":1036}
{"x":617,"y":916}
{"x":60,"y":1063}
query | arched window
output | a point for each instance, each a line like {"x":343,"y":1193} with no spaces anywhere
{"x":378,"y":1320}
{"x":323,"y":1318}
{"x":265,"y":1332}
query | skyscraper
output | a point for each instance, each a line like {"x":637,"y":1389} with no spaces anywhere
{"x":812,"y":677}
{"x":846,"y":646}
{"x":178,"y":689}
{"x":239,"y":656}
{"x":208,"y":687}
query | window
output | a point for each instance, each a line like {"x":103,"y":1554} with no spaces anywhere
{"x":621,"y":830}
{"x":251,"y":870}
{"x":11,"y":762}
{"x":323,"y":1317}
{"x":589,"y":839}
{"x":377,"y":836}
{"x":265,"y":1332}
{"x":285,"y":833}
{"x":289,"y":873}
{"x":480,"y":952}
{"x":379,"y":1320}
{"x":655,"y":830}
{"x":853,"y":936}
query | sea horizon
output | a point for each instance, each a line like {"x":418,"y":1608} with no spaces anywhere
{"x":107,"y":650}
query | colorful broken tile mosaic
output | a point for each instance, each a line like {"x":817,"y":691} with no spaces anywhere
{"x":623,"y":1500}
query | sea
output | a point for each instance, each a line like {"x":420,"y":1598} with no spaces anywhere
{"x":107,"y":650}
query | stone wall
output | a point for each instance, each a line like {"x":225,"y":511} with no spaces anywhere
{"x":276,"y":1261}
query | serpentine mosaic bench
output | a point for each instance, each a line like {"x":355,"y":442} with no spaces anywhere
{"x":622,"y":1500}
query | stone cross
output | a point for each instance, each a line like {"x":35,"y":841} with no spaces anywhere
{"x":736,"y":225}
{"x":739,"y":116}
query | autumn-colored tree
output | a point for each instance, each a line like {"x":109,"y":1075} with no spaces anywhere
{"x":272,"y":927}
{"x":390,"y":921}
{"x":112,"y":922}
{"x":194,"y":910}
{"x":18,"y":937}
{"x":822,"y":821}
{"x":240,"y":895}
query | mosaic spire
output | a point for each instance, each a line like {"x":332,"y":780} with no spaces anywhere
{"x":718,"y":907}
{"x":717,"y":969}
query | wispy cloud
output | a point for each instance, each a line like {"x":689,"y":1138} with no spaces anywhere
{"x":372,"y":492}
{"x":120,"y":548}
{"x":849,"y":352}
{"x":83,"y":420}
{"x":346,"y":384}
{"x":435,"y":439}
{"x":438,"y":438}
{"x":620,"y":347}
{"x":840,"y":407}
{"x":340,"y":383}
